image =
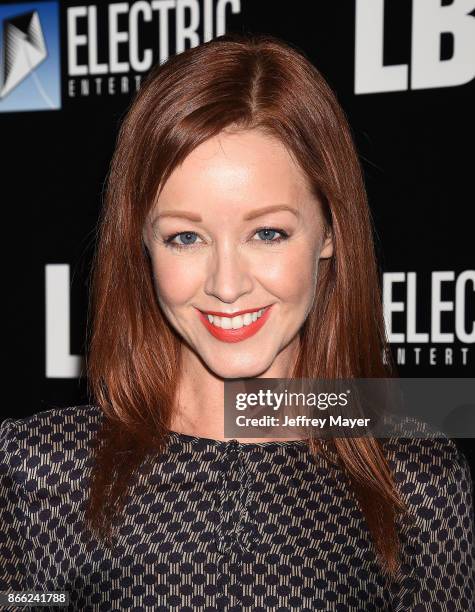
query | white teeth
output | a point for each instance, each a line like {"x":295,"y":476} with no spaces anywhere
{"x":247,"y":318}
{"x":226,"y":323}
{"x":235,"y":322}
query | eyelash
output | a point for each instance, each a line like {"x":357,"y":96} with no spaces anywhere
{"x":168,"y":241}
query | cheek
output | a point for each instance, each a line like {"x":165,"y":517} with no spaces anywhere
{"x":175,"y":279}
{"x":292,"y":276}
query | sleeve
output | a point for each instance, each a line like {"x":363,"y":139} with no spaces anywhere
{"x":13,"y":512}
{"x":438,"y":540}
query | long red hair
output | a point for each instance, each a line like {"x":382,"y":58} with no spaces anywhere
{"x":133,"y":361}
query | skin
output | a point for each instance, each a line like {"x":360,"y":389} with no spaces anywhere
{"x":228,"y":264}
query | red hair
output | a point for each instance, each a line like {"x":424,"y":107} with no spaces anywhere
{"x":133,"y":364}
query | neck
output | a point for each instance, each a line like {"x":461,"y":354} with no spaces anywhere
{"x":199,"y":403}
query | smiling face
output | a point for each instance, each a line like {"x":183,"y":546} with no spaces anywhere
{"x":214,"y":249}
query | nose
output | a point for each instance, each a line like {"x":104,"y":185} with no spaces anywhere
{"x":228,"y":275}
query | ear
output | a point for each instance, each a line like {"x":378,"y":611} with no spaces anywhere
{"x":145,"y":243}
{"x":327,"y":247}
{"x":146,"y":250}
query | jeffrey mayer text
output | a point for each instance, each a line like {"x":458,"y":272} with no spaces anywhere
{"x":332,"y":421}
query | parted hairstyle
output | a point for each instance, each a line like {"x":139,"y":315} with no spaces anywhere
{"x":248,"y":82}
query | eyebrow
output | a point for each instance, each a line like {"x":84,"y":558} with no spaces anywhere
{"x":183,"y":214}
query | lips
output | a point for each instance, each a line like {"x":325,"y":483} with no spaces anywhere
{"x":235,"y":335}
{"x":234,"y":314}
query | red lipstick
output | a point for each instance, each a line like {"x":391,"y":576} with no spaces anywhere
{"x":234,"y":314}
{"x":235,"y":335}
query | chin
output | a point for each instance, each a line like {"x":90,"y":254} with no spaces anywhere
{"x":239,"y":370}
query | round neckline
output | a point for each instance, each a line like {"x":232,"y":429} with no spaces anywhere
{"x":233,"y":442}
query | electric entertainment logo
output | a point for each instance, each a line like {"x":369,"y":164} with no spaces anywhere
{"x":30,"y":60}
{"x":430,"y":317}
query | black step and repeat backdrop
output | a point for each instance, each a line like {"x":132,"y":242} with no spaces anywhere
{"x":404,"y":72}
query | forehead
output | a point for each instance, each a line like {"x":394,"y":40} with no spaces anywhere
{"x":244,"y":169}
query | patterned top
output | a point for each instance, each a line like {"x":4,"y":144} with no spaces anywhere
{"x":223,"y":525}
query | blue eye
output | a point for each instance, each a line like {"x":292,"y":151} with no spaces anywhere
{"x":272,"y":231}
{"x":187,"y":235}
{"x":190,"y":242}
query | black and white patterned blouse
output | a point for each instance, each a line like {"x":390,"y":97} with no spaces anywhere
{"x":222,"y":525}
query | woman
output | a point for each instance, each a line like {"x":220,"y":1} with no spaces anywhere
{"x":137,"y":500}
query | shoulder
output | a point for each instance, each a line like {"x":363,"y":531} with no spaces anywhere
{"x":423,"y":455}
{"x":437,"y":530}
{"x":55,"y":419}
{"x":431,"y":474}
{"x":434,"y":481}
{"x":53,"y":436}
{"x":433,"y":478}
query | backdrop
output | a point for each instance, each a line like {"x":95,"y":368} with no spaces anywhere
{"x":403,"y":70}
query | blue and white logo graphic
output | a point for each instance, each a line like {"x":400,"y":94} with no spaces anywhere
{"x":30,"y":62}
